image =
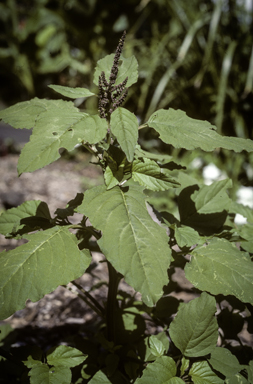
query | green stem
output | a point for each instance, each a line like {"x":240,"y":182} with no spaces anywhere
{"x":112,"y":304}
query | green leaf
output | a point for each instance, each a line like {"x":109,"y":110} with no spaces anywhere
{"x":161,"y":371}
{"x":51,"y":258}
{"x":237,"y":379}
{"x":249,"y":369}
{"x":113,"y":175}
{"x":11,"y":218}
{"x":101,"y":378}
{"x":124,"y":125}
{"x":127,"y":68}
{"x":25,"y":114}
{"x":186,"y":236}
{"x":184,"y":365}
{"x":156,"y":346}
{"x":42,"y":374}
{"x":141,"y":154}
{"x":136,"y":246}
{"x":223,"y":361}
{"x":205,"y":208}
{"x":243,"y":210}
{"x":62,"y":129}
{"x":196,"y":336}
{"x":181,"y":131}
{"x":246,"y":233}
{"x":64,"y":356}
{"x":220,"y":268}
{"x":201,"y":373}
{"x":73,"y":93}
{"x":151,"y":176}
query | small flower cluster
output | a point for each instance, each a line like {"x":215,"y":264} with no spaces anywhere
{"x":112,"y":96}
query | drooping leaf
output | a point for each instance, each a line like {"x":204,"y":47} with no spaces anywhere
{"x":205,"y":208}
{"x":162,"y":371}
{"x":59,"y":130}
{"x":223,"y":361}
{"x":201,"y":373}
{"x":148,"y":174}
{"x":124,"y":125}
{"x":25,"y":114}
{"x":196,"y":336}
{"x":43,"y":374}
{"x":51,"y":258}
{"x":72,"y":93}
{"x":12,"y":217}
{"x":221,"y":268}
{"x":136,"y":246}
{"x":65,"y":356}
{"x":127,"y":68}
{"x":181,"y":131}
{"x":186,"y":236}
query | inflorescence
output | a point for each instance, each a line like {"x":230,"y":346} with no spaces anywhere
{"x":112,"y":96}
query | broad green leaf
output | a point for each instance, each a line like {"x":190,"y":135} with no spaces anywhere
{"x":181,"y":131}
{"x":25,"y":114}
{"x":42,"y":374}
{"x":59,"y":130}
{"x":220,"y":268}
{"x":201,"y":373}
{"x":72,"y":93}
{"x":186,"y":236}
{"x":134,"y":244}
{"x":65,"y":356}
{"x":50,"y":258}
{"x":196,"y":336}
{"x":151,"y":176}
{"x":127,"y":68}
{"x":124,"y":125}
{"x":223,"y":361}
{"x":205,"y":208}
{"x":154,"y":346}
{"x":161,"y":371}
{"x":11,"y":218}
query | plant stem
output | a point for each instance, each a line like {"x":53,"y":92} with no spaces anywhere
{"x":112,"y":304}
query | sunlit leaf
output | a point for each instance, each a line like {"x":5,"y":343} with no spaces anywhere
{"x":134,"y":244}
{"x":221,"y":268}
{"x":50,"y":258}
{"x":181,"y":131}
{"x":201,"y":373}
{"x":161,"y":371}
{"x":198,"y":335}
{"x":124,"y":125}
{"x":151,"y":176}
{"x":223,"y":361}
{"x":72,"y":93}
{"x":127,"y":68}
